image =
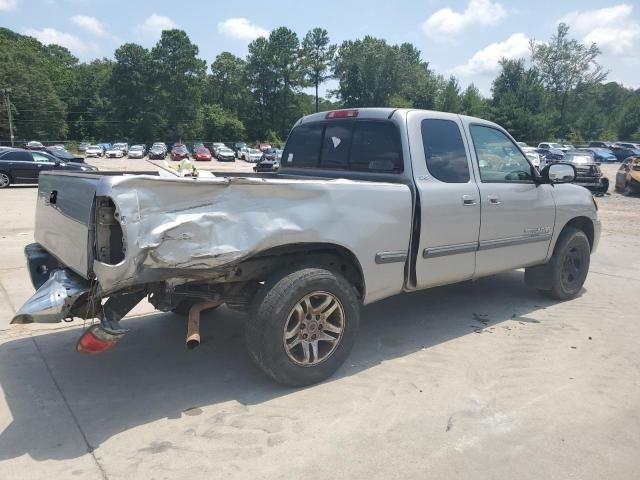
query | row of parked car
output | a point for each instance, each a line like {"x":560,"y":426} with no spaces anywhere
{"x":587,"y":159}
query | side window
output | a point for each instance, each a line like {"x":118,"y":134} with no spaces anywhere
{"x":17,"y":156}
{"x":336,"y":144}
{"x":376,"y":147}
{"x":499,"y":160}
{"x":444,"y":151}
{"x":303,"y":146}
{"x":38,"y":157}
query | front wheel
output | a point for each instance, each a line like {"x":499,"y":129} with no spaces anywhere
{"x":5,"y":180}
{"x":302,"y":325}
{"x":569,"y":265}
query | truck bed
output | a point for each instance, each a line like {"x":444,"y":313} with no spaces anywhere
{"x":187,"y":229}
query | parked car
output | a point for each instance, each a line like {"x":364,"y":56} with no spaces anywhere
{"x":553,"y":146}
{"x":550,"y":154}
{"x":201,"y":153}
{"x":215,"y":147}
{"x":225,"y":154}
{"x":82,"y":147}
{"x":628,"y":176}
{"x":179,"y":151}
{"x":588,"y":173}
{"x":633,"y":146}
{"x":599,"y":144}
{"x":252,"y":155}
{"x":105,"y":147}
{"x":238,"y":147}
{"x":161,"y":145}
{"x":116,"y":151}
{"x":267,"y":165}
{"x":18,"y":166}
{"x":622,"y":153}
{"x":530,"y":152}
{"x":136,"y":151}
{"x":122,"y":146}
{"x":602,"y":155}
{"x":94,"y":151}
{"x":196,"y":146}
{"x":64,"y":156}
{"x":33,"y":145}
{"x":304,"y":256}
{"x":157,"y":152}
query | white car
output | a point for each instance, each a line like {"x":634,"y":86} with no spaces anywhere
{"x":252,"y":155}
{"x":531,"y":154}
{"x":215,"y":147}
{"x":94,"y":151}
{"x":136,"y":151}
{"x":114,"y":152}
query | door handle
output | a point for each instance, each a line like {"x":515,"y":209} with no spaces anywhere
{"x":494,"y":199}
{"x":468,"y":200}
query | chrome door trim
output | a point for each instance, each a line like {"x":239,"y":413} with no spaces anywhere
{"x":391,"y":256}
{"x":443,"y":250}
{"x":512,"y":241}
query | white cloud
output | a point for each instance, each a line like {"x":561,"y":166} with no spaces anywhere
{"x":155,"y":24}
{"x":51,"y":35}
{"x":90,"y":24}
{"x":611,"y":28}
{"x":6,"y":5}
{"x":487,"y":60}
{"x":242,"y":28}
{"x":446,"y":22}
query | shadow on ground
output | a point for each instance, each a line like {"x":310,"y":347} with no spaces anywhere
{"x":150,"y":375}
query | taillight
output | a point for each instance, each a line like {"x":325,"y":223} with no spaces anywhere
{"x":342,"y":114}
{"x":97,"y":339}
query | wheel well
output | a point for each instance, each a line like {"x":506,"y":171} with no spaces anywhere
{"x":582,"y":223}
{"x":335,"y":257}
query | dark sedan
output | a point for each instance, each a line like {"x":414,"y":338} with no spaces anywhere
{"x":24,"y":166}
{"x":179,"y":151}
{"x":63,"y":155}
{"x":621,"y":153}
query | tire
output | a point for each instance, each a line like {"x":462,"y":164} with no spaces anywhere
{"x":185,"y":305}
{"x":5,"y":180}
{"x":569,"y":265}
{"x":280,"y":315}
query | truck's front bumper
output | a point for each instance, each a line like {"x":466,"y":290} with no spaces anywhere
{"x":57,"y":289}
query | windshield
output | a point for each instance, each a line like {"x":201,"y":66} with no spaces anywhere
{"x":136,"y":147}
{"x":578,"y":157}
{"x":201,"y":150}
{"x":118,"y":145}
{"x":254,"y":151}
{"x":555,"y":145}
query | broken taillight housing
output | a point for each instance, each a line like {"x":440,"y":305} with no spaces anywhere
{"x":97,"y":339}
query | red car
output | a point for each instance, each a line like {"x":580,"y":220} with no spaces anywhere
{"x":179,"y":151}
{"x":202,"y":154}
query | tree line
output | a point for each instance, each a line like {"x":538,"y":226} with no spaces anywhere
{"x":168,"y":93}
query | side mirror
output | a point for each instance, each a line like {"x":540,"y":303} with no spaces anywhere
{"x":559,"y":173}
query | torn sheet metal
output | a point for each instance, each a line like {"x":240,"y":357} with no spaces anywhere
{"x":190,"y":228}
{"x":53,"y":300}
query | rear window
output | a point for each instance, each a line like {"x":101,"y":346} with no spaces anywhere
{"x":371,"y":146}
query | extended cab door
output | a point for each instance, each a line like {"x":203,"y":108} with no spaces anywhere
{"x":518,"y":214}
{"x":449,"y":199}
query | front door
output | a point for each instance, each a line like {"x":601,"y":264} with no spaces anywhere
{"x":449,"y":199}
{"x":518,"y":215}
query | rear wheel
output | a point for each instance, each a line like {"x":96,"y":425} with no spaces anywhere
{"x":302,"y":325}
{"x":5,"y":180}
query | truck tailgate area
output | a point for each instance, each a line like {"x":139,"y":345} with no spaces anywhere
{"x":65,"y":218}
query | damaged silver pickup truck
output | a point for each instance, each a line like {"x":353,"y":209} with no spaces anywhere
{"x":367,"y":204}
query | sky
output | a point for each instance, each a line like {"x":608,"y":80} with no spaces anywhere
{"x":465,"y":38}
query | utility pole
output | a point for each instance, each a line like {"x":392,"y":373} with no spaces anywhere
{"x":7,"y":94}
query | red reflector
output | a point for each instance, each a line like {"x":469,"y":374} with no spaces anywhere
{"x":342,"y":114}
{"x":96,"y":340}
